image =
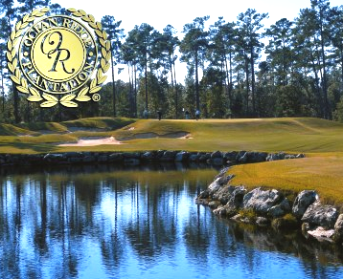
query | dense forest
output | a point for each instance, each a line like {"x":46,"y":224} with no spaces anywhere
{"x":234,"y":69}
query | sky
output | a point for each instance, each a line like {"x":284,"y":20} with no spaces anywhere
{"x":160,"y":13}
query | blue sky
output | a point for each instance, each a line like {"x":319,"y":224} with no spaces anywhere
{"x":160,"y":13}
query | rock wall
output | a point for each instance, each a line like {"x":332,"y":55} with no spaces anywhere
{"x":264,"y":207}
{"x":216,"y":158}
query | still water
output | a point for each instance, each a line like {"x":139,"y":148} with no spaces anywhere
{"x":109,"y":223}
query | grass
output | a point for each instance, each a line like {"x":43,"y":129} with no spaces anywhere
{"x":321,"y":172}
{"x":275,"y":134}
{"x":320,"y":139}
{"x":99,"y":122}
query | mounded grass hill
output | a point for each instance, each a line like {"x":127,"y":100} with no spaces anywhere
{"x":309,"y":135}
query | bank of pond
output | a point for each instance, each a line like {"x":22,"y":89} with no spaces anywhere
{"x":282,"y":210}
{"x":109,"y":221}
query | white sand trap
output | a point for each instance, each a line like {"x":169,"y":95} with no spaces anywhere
{"x":93,"y":142}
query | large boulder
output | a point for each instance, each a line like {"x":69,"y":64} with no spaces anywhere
{"x":194,"y":157}
{"x":321,"y":215}
{"x":116,"y":158}
{"x":216,"y":185}
{"x":230,"y":195}
{"x":55,"y":158}
{"x":235,"y":200}
{"x":255,"y":157}
{"x":275,"y":156}
{"x":168,"y":156}
{"x":149,"y":156}
{"x":230,"y":156}
{"x":339,"y":226}
{"x":321,"y":233}
{"x":261,"y":201}
{"x":216,"y":158}
{"x":252,"y":157}
{"x":303,"y":201}
{"x":280,"y":209}
{"x":181,"y":156}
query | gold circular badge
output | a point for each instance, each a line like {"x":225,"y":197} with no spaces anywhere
{"x":53,"y":60}
{"x":57,"y":59}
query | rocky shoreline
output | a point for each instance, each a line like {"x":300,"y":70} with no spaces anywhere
{"x":216,"y":158}
{"x":281,"y":211}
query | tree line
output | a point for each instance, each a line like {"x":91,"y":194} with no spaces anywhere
{"x":234,"y":69}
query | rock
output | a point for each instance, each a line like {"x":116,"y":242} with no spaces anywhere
{"x":216,"y":158}
{"x":215,"y":185}
{"x":271,"y":157}
{"x":116,"y":158}
{"x":181,"y":156}
{"x":305,"y":227}
{"x":131,"y":155}
{"x":287,"y":222}
{"x":204,"y":157}
{"x":132,"y":162}
{"x":300,"y":156}
{"x":339,"y":225}
{"x":303,"y":201}
{"x":262,"y":221}
{"x":56,"y":158}
{"x":168,"y":156}
{"x":275,"y":156}
{"x":235,"y":199}
{"x":322,"y":234}
{"x":148,"y":156}
{"x":243,"y":159}
{"x":35,"y":158}
{"x":102,"y":158}
{"x":236,"y":217}
{"x":216,"y":154}
{"x":321,"y":215}
{"x":204,"y":194}
{"x":280,"y":209}
{"x":261,"y":201}
{"x":217,"y":161}
{"x":229,"y":193}
{"x":256,"y":157}
{"x":230,"y":156}
{"x":213,"y":204}
{"x":194,"y":157}
{"x":288,"y":157}
{"x":89,"y":159}
{"x":220,"y":211}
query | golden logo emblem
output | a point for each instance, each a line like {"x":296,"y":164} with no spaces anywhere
{"x":57,"y":59}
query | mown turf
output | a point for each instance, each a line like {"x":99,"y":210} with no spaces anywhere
{"x":275,"y":134}
{"x":321,"y":140}
{"x":322,"y":172}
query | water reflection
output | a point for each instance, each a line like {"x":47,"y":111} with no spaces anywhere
{"x":110,"y":223}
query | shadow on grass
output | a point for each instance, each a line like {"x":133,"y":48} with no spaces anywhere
{"x":36,"y":148}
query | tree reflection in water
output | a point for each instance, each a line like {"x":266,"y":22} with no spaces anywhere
{"x":108,"y":223}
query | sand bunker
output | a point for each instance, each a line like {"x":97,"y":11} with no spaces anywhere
{"x":93,"y":142}
{"x":113,"y":141}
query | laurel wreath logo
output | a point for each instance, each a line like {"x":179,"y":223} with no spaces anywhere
{"x":51,"y":100}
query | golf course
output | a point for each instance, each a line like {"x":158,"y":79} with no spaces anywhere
{"x":320,"y":141}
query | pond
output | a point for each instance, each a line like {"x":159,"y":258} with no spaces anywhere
{"x":102,"y":222}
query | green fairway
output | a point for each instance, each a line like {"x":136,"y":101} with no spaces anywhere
{"x":321,"y":141}
{"x":322,"y":172}
{"x":274,"y":134}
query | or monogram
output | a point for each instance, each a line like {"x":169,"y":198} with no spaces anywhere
{"x":57,"y":44}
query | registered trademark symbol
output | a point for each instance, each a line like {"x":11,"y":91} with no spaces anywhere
{"x":96,"y":97}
